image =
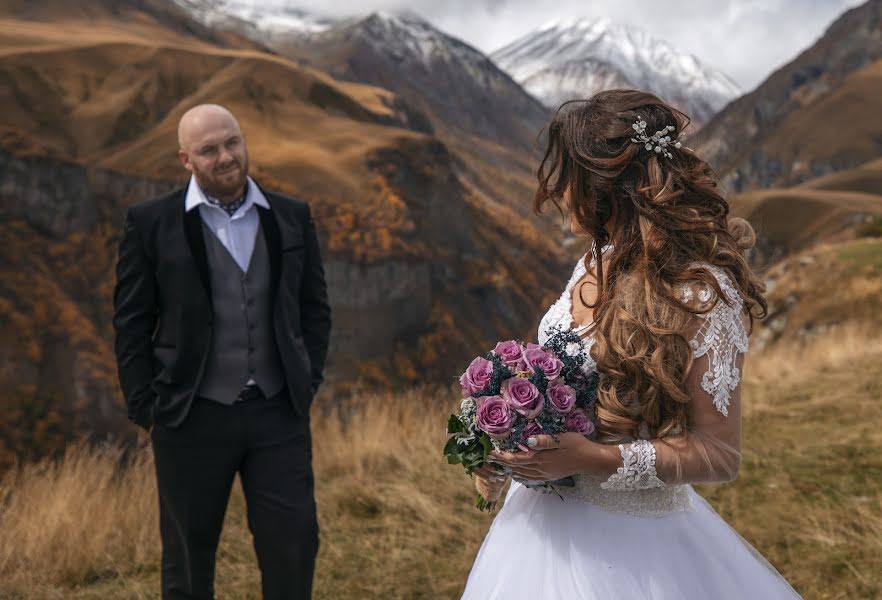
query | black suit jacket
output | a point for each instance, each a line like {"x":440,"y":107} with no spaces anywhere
{"x":162,"y":304}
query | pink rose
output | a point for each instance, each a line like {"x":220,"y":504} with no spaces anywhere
{"x":494,"y":416}
{"x":579,"y":422}
{"x":512,"y":355}
{"x":522,"y":396}
{"x":531,"y":429}
{"x":562,"y":397}
{"x":476,"y":376}
{"x":549,"y":363}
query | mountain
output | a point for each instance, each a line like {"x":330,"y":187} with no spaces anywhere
{"x":488,"y":121}
{"x":577,"y":58}
{"x":456,"y":85}
{"x":424,"y":268}
{"x":159,"y":19}
{"x":816,"y":115}
{"x":254,"y":20}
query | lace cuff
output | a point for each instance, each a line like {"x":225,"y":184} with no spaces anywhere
{"x":637,"y":471}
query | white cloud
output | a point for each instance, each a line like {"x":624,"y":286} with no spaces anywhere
{"x":746,"y":39}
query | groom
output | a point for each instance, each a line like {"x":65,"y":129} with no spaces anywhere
{"x":222,"y":325}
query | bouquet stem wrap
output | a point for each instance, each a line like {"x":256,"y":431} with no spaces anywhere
{"x":489,"y":493}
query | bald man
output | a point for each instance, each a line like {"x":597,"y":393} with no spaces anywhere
{"x":222,"y":326}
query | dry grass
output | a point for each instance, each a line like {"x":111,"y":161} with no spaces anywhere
{"x":395,"y":521}
{"x":398,"y":523}
{"x":810,"y":491}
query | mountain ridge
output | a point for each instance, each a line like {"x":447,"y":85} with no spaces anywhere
{"x":816,"y":115}
{"x":576,"y":58}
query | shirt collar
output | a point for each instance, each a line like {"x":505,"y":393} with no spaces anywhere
{"x":196,"y":196}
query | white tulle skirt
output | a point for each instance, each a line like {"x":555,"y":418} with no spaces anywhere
{"x":540,"y":547}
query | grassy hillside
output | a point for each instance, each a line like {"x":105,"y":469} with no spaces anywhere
{"x":398,"y":523}
{"x":827,"y":209}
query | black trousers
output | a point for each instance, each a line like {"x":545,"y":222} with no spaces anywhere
{"x":270,"y":447}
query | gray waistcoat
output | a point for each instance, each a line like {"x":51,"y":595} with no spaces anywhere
{"x":242,"y":341}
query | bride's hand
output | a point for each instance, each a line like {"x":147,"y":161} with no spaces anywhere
{"x":547,"y":459}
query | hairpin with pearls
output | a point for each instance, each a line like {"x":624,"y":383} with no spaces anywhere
{"x":658,"y":141}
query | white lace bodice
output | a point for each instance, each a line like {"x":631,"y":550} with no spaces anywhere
{"x":561,"y":312}
{"x":721,"y":336}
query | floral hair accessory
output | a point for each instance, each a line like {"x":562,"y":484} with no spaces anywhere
{"x":659,"y":141}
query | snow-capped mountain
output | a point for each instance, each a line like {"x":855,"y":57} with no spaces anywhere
{"x":451,"y":84}
{"x":574,"y":59}
{"x":255,"y":19}
{"x":455,"y":84}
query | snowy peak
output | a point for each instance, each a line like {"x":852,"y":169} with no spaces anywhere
{"x":576,"y":58}
{"x":258,"y":17}
{"x":409,"y":37}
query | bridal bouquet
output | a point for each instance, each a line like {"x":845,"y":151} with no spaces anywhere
{"x":519,"y":390}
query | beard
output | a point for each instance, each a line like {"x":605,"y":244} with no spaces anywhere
{"x":225,"y":181}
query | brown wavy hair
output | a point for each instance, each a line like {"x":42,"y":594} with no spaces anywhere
{"x":660,"y":215}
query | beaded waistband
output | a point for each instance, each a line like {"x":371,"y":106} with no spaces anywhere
{"x":652,"y":502}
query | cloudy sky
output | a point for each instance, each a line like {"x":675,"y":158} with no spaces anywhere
{"x":746,"y":39}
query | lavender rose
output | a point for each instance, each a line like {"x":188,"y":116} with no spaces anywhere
{"x":562,"y":397}
{"x":579,"y":422}
{"x":494,"y":416}
{"x":476,"y":376}
{"x":549,"y":363}
{"x":523,"y":397}
{"x":512,"y":355}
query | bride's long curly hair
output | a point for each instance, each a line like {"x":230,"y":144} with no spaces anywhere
{"x":665,"y":213}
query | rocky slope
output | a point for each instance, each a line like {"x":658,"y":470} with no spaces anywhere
{"x":816,"y":115}
{"x":424,"y":268}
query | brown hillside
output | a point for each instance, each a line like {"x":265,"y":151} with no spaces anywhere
{"x":424,"y":267}
{"x":829,"y":289}
{"x":823,"y":210}
{"x":159,"y":20}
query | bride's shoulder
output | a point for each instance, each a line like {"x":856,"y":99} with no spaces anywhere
{"x":700,"y":295}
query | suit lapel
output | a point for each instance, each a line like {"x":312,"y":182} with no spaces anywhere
{"x":273,"y":237}
{"x":196,"y":241}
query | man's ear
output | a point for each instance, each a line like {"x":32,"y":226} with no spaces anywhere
{"x":185,"y":159}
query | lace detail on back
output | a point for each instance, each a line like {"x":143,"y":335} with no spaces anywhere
{"x":721,"y":336}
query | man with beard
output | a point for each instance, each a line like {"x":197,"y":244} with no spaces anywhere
{"x":222,"y":326}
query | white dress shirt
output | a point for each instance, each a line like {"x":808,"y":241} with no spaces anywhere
{"x":238,"y":232}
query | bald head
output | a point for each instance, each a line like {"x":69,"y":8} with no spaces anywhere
{"x":212,"y":148}
{"x":202,"y":119}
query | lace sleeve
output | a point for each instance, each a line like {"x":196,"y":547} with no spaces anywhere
{"x":711,"y":452}
{"x":721,"y":335}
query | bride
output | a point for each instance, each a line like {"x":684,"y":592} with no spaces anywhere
{"x":661,"y":299}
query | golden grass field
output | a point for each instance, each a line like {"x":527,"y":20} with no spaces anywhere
{"x":397,"y":522}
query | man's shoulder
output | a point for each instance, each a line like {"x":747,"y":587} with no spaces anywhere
{"x":285,"y":202}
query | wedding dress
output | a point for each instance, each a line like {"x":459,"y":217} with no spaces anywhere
{"x":631,"y":537}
